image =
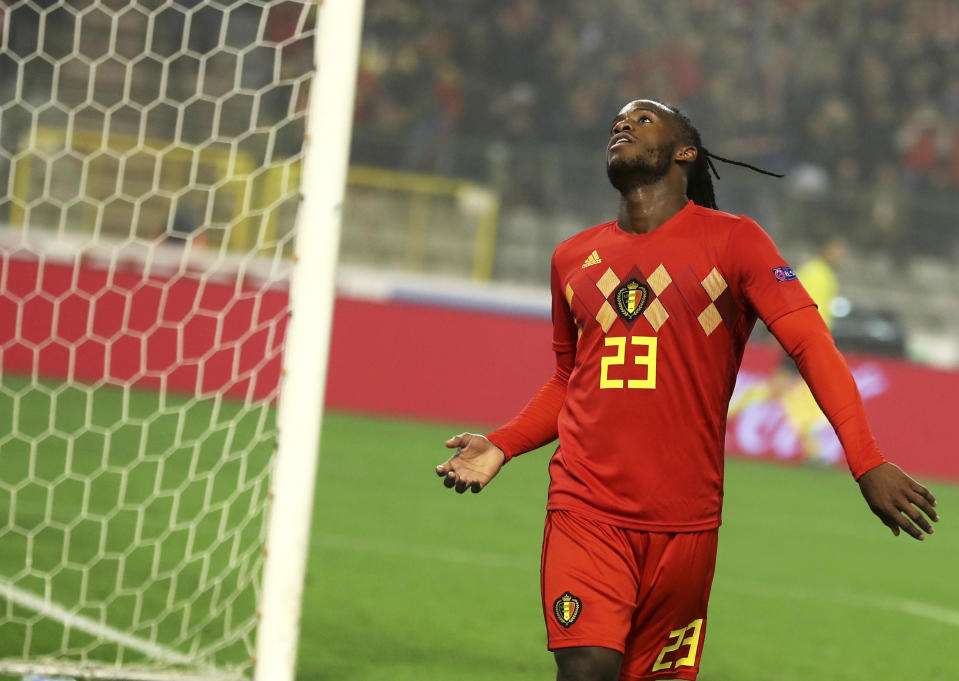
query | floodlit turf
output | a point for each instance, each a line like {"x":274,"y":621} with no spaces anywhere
{"x":411,"y":582}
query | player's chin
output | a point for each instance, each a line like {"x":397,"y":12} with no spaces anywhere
{"x":623,"y":160}
{"x":617,"y":155}
{"x":620,"y":169}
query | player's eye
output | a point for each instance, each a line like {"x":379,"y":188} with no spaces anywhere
{"x":645,"y":118}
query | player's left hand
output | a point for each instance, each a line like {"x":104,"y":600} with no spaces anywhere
{"x":897,"y":499}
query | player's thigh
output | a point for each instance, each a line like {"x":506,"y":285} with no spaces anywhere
{"x":589,"y":583}
{"x":588,"y":663}
{"x":669,"y":625}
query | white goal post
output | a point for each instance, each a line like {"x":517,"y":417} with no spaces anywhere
{"x":308,"y":335}
{"x":168,"y":243}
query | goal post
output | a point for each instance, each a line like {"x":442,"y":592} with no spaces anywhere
{"x":159,"y":404}
{"x":329,"y":126}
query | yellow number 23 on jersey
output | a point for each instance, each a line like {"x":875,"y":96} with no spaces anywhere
{"x":648,"y":359}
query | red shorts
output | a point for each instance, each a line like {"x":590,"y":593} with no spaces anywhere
{"x":641,"y":593}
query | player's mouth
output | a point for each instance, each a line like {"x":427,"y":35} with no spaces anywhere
{"x":619,"y":140}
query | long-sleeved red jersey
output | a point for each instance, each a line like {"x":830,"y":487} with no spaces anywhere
{"x":649,"y":331}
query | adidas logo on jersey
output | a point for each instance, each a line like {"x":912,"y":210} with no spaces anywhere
{"x":593,"y":259}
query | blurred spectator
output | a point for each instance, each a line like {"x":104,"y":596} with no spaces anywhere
{"x":922,"y":139}
{"x":818,"y":275}
{"x":887,"y":215}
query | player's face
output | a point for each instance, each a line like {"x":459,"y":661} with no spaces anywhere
{"x":641,"y":144}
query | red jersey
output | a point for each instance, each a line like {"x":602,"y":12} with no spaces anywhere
{"x":658,"y":323}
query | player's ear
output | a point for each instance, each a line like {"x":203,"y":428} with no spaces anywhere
{"x":687,"y":154}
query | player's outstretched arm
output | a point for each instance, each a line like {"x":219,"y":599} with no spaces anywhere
{"x":475,"y":463}
{"x":478,"y":458}
{"x":897,"y":499}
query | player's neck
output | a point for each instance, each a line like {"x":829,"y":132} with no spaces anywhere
{"x":642,"y":209}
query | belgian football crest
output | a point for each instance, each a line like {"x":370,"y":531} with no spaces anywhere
{"x":631,"y":298}
{"x":567,"y":608}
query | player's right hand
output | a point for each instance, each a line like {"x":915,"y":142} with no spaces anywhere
{"x":475,"y":463}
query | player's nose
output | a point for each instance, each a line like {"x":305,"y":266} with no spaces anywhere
{"x":624,"y":125}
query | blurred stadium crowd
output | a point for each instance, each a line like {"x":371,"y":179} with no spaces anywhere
{"x":858,"y":101}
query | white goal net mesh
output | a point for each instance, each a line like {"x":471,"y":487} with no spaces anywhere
{"x":149,"y":172}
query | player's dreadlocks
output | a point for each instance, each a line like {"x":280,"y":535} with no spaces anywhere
{"x":699,"y":185}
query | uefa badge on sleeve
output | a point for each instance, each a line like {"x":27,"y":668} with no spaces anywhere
{"x":784,"y":274}
{"x":567,"y":608}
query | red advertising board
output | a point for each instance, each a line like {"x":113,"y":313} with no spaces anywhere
{"x":910,"y":409}
{"x":180,"y":332}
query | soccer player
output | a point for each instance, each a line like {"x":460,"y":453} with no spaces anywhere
{"x":651,"y":313}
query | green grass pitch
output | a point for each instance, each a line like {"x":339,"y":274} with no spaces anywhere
{"x":409,"y":581}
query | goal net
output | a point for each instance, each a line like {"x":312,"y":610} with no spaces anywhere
{"x":149,"y":166}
